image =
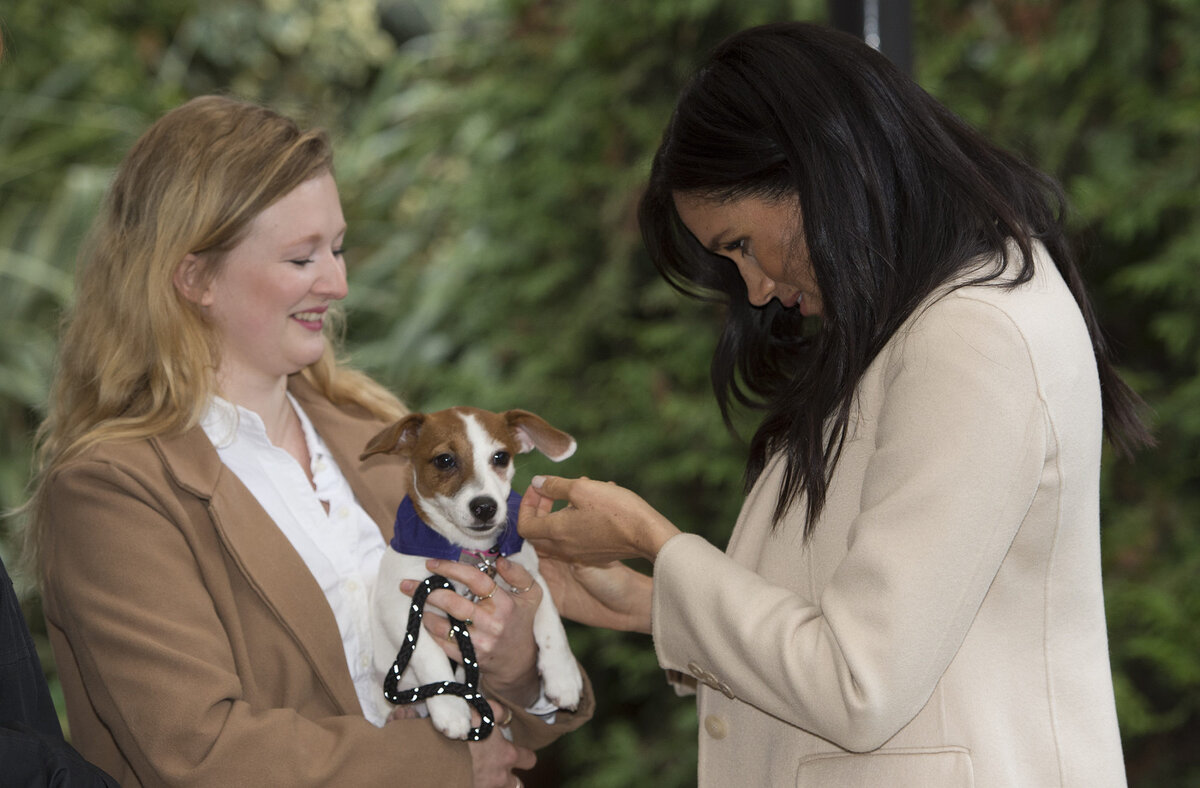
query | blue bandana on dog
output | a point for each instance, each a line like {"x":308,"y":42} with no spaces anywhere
{"x":414,"y":537}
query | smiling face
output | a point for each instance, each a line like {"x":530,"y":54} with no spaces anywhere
{"x":268,"y":300}
{"x":764,"y":239}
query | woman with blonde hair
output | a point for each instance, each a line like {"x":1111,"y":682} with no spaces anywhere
{"x":205,"y":536}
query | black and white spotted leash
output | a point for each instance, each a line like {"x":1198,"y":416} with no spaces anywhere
{"x":468,"y":689}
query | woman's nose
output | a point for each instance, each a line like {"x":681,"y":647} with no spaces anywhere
{"x":759,"y":287}
{"x":332,"y":282}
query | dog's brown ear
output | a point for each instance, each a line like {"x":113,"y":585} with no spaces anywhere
{"x":399,"y":438}
{"x":531,"y":432}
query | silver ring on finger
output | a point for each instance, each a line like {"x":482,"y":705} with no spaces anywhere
{"x":524,"y":590}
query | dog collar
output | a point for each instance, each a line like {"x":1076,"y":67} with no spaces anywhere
{"x":413,"y":536}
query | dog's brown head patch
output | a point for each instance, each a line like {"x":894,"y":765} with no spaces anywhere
{"x":448,"y":449}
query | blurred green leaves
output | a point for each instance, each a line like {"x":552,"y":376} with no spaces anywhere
{"x":490,"y":155}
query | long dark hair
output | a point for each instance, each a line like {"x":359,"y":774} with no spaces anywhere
{"x":898,"y":196}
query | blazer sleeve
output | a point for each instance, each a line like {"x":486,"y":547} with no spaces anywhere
{"x":156,"y":663}
{"x":960,"y":444}
{"x":532,"y":731}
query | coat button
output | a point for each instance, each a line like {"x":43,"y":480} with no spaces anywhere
{"x":715,"y":727}
{"x":702,"y":674}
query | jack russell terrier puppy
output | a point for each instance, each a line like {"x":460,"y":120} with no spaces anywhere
{"x":461,"y":506}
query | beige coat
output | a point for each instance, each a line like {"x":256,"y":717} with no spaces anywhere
{"x":945,"y":626}
{"x":196,"y":649}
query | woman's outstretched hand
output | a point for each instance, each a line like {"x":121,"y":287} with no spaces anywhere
{"x":601,"y":524}
{"x":611,"y":596}
{"x":581,"y":547}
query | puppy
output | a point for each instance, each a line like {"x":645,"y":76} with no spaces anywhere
{"x":461,"y":462}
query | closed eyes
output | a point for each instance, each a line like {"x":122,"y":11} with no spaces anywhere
{"x":338,"y":252}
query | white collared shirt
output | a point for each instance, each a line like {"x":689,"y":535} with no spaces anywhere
{"x":341,"y":547}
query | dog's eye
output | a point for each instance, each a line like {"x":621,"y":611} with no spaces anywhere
{"x":500,"y":459}
{"x":444,"y":462}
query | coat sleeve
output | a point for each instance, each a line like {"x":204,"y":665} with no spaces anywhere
{"x":530,"y":730}
{"x":960,"y":443}
{"x":155,"y":661}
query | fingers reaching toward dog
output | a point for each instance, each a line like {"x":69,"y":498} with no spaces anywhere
{"x":602,"y":523}
{"x":537,"y":519}
{"x":539,"y":499}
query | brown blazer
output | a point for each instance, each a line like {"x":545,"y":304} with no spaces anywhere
{"x":945,"y":625}
{"x":193,"y":644}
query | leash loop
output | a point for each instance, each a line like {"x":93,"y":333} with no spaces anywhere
{"x":468,"y":689}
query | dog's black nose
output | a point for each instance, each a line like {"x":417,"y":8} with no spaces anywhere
{"x":483,"y":508}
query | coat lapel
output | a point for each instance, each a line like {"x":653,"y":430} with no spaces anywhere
{"x":381,"y":482}
{"x":263,"y":553}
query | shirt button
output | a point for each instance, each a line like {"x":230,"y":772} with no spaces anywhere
{"x":343,"y":512}
{"x":715,"y":727}
{"x":364,"y":661}
{"x":352,"y":586}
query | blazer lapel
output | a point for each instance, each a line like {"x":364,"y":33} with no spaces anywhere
{"x":381,"y":482}
{"x":266,"y":558}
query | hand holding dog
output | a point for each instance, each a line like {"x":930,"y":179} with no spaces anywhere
{"x":601,"y":524}
{"x":501,"y":625}
{"x":494,"y":758}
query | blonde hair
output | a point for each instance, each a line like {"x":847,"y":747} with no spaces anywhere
{"x":136,"y":358}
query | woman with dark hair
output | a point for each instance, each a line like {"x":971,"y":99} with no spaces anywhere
{"x":912,"y":593}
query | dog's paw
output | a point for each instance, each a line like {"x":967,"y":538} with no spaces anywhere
{"x":451,"y":715}
{"x":563,"y":685}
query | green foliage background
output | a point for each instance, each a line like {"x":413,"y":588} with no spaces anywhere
{"x":490,"y":154}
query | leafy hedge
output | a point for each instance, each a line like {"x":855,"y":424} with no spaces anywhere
{"x":490,"y":154}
